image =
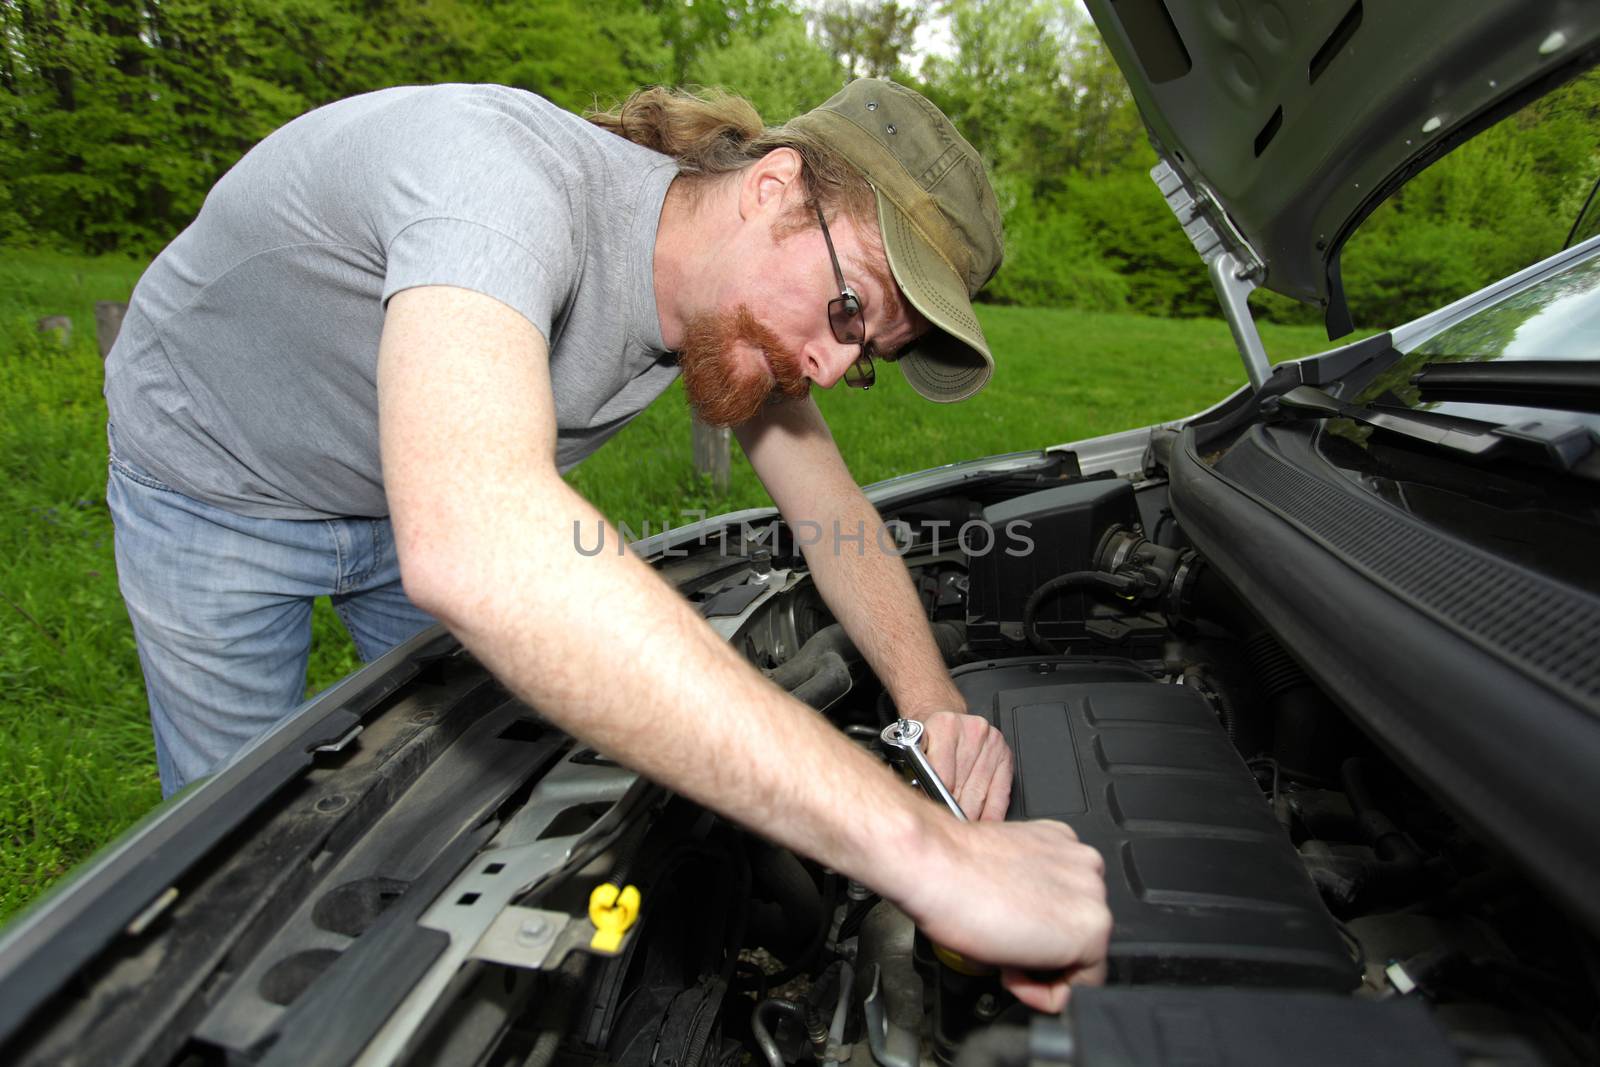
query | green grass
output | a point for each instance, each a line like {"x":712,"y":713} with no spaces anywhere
{"x":76,"y":761}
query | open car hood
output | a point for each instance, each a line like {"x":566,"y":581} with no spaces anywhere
{"x":1297,"y":118}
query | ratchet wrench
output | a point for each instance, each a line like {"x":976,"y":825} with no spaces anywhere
{"x":905,"y":737}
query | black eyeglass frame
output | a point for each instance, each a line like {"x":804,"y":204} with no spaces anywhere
{"x":845,"y":319}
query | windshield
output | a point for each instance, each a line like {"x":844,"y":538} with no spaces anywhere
{"x":1557,"y":318}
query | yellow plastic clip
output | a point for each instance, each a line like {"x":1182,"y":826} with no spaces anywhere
{"x":612,"y":911}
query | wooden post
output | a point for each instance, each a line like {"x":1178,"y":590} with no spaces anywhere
{"x":108,"y":323}
{"x":62,"y":327}
{"x":711,"y":453}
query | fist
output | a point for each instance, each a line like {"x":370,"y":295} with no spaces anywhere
{"x":1026,"y":896}
{"x":972,"y":759}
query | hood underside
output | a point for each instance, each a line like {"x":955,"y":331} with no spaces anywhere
{"x":1299,"y":117}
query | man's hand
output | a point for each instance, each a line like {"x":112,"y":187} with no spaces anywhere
{"x":972,"y":759}
{"x":1025,"y":895}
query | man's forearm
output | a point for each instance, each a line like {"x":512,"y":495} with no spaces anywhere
{"x":868,"y":588}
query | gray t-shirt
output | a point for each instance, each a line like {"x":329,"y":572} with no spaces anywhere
{"x":245,"y":373}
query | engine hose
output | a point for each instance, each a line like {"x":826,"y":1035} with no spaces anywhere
{"x":787,"y":908}
{"x":1276,"y":671}
{"x":739,"y":863}
{"x":1059,"y":584}
{"x":808,"y":959}
{"x":763,"y":1036}
{"x":1391,"y":845}
{"x":804,"y":663}
{"x":829,"y":681}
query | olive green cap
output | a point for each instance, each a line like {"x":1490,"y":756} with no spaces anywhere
{"x":938,"y":216}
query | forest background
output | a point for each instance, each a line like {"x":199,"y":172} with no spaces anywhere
{"x":116,"y":117}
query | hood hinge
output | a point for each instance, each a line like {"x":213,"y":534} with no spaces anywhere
{"x":1234,"y":266}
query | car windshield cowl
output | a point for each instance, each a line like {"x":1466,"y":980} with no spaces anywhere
{"x":1552,"y":443}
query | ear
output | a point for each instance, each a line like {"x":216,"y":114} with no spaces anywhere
{"x":768,"y":183}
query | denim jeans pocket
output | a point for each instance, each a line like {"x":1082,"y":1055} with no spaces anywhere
{"x":128,"y":470}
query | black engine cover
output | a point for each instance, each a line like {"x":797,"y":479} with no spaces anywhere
{"x":1204,"y":885}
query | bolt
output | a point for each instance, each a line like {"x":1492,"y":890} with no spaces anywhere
{"x":332,"y":802}
{"x":533,"y":930}
{"x":987,"y":1007}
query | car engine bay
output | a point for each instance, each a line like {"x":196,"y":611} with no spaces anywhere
{"x":436,"y":886}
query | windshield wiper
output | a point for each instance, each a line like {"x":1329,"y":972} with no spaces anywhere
{"x":1543,"y":442}
{"x":1564,"y":384}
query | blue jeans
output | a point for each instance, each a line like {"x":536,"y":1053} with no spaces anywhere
{"x":221,"y":610}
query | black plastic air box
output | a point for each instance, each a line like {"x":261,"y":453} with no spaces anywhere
{"x":1203,"y":884}
{"x":1027,"y":540}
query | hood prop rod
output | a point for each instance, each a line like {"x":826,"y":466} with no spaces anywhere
{"x":1234,"y":267}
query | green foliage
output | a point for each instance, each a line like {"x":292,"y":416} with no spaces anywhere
{"x":117,"y":116}
{"x":870,"y":37}
{"x":692,"y":29}
{"x":782,"y":71}
{"x":1138,"y":238}
{"x":1003,"y":87}
{"x":1051,"y":261}
{"x":121,"y":114}
{"x":1494,"y":205}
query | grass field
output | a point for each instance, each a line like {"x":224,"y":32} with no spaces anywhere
{"x":76,"y":762}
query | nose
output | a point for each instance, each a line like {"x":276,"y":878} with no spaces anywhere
{"x":825,"y":363}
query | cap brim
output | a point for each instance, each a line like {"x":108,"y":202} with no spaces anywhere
{"x":952,"y":361}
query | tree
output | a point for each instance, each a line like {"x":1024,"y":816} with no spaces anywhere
{"x":693,"y":29}
{"x":782,"y":72}
{"x":117,"y":116}
{"x":869,"y":37}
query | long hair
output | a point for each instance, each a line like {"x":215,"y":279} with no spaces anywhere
{"x":712,"y":133}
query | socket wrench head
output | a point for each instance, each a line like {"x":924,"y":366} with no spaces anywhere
{"x":906,"y":733}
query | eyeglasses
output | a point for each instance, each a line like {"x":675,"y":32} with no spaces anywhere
{"x":844,"y":315}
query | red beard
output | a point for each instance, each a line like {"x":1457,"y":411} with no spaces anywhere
{"x":725,"y":388}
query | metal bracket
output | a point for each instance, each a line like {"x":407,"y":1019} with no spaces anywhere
{"x":1234,"y":266}
{"x":522,"y":937}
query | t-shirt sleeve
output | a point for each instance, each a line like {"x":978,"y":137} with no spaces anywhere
{"x":472,"y":255}
{"x":469,"y":197}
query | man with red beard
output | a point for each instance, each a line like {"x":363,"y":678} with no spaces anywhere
{"x":361,"y":371}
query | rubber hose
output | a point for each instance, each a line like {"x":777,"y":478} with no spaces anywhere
{"x":1387,"y":841}
{"x":781,"y":881}
{"x":1060,"y":584}
{"x":830,"y":886}
{"x":802,"y":664}
{"x":700,"y":1028}
{"x":830,"y":679}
